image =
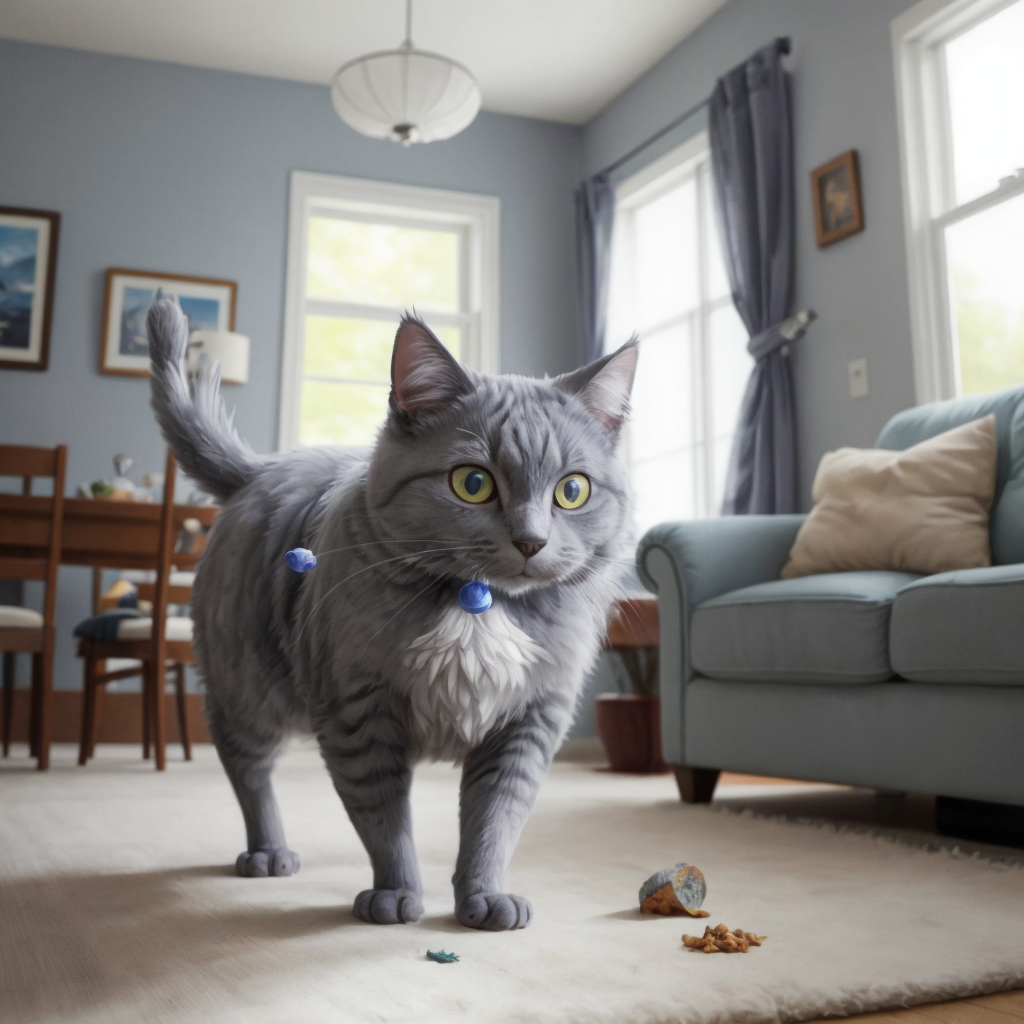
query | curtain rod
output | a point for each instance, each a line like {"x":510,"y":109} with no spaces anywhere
{"x":783,"y":46}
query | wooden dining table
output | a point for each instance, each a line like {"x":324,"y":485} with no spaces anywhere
{"x":102,"y":534}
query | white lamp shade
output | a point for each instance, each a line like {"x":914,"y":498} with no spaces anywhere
{"x":229,"y":349}
{"x":406,"y":95}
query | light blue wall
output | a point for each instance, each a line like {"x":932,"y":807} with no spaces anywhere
{"x":843,"y":98}
{"x":162,"y":167}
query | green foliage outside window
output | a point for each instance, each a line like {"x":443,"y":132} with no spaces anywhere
{"x":382,"y":264}
{"x":990,"y":337}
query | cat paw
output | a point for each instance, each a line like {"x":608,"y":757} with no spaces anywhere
{"x":389,"y":906}
{"x":494,"y":911}
{"x":276,"y":861}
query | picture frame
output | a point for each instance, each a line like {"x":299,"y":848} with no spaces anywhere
{"x":835,"y":192}
{"x":28,"y":270}
{"x":207,"y":302}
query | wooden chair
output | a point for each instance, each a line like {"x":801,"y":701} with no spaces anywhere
{"x":144,"y":590}
{"x":23,"y":630}
{"x":155,"y":640}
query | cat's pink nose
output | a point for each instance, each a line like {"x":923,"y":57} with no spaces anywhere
{"x":529,"y":547}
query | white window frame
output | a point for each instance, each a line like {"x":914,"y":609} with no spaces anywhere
{"x":927,"y":170}
{"x":661,"y":176}
{"x":476,"y":216}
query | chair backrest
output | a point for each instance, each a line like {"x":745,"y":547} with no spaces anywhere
{"x":182,"y":530}
{"x":1006,"y":522}
{"x":164,"y":590}
{"x":30,"y":463}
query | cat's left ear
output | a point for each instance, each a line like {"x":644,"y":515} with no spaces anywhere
{"x":604,"y":385}
{"x":424,"y":375}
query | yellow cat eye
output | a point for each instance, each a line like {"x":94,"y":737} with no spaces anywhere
{"x":572,"y":491}
{"x":472,"y":484}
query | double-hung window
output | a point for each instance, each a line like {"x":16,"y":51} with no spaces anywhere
{"x":360,"y":255}
{"x":960,"y":78}
{"x":669,"y":285}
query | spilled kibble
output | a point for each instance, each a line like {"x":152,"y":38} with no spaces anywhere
{"x":720,"y":940}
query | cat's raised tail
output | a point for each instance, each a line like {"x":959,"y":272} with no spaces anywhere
{"x":190,"y":410}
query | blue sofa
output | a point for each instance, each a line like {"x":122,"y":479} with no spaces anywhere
{"x":880,"y":679}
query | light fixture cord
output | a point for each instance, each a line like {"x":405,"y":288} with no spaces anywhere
{"x":407,"y":45}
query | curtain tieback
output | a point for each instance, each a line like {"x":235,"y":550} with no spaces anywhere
{"x":781,"y":334}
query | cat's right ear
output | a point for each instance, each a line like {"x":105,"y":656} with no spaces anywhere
{"x":604,"y":386}
{"x":424,"y":375}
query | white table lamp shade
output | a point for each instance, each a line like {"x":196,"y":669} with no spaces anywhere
{"x":229,"y":349}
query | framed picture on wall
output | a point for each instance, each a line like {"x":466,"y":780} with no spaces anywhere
{"x":835,"y":192}
{"x":28,"y":265}
{"x":207,"y":302}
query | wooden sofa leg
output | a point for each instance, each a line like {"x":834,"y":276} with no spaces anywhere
{"x":696,"y":785}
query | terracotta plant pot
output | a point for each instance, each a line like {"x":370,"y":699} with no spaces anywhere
{"x":629,"y":725}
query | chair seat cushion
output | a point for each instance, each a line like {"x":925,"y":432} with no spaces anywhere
{"x":13,"y":616}
{"x":178,"y":628}
{"x":176,"y":578}
{"x":131,"y":624}
{"x":830,"y":628}
{"x":961,"y":627}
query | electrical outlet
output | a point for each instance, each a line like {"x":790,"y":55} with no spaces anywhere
{"x":858,"y":378}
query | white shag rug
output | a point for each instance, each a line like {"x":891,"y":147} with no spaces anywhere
{"x":118,"y":903}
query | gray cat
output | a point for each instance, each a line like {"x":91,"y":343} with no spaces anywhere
{"x":505,"y":480}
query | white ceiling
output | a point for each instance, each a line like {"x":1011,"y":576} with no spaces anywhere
{"x":562,"y":60}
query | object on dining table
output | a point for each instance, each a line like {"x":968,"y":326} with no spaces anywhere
{"x":679,"y":889}
{"x":122,"y":463}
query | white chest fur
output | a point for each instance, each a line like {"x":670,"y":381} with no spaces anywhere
{"x":470,"y":671}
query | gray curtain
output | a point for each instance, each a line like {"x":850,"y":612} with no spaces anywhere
{"x":595,"y":214}
{"x":752,"y":167}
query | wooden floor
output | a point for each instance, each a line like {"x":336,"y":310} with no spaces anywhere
{"x":1001,"y":1008}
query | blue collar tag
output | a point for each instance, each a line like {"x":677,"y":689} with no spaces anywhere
{"x":475,"y":597}
{"x":300,"y":559}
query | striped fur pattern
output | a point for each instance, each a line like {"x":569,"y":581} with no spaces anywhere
{"x":370,"y":650}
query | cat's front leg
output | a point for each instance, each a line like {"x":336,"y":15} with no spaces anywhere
{"x":367,"y":753}
{"x":500,"y":780}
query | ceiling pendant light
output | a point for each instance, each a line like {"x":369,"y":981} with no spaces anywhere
{"x":406,"y":95}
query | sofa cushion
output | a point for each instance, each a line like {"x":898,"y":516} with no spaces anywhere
{"x":912,"y":426}
{"x":924,"y":509}
{"x":832,"y":628}
{"x":961,"y":627}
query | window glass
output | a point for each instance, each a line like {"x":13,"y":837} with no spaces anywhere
{"x":985,"y":257}
{"x":349,"y":348}
{"x":669,"y":284}
{"x":662,"y":418}
{"x":341,"y":413}
{"x":382,"y":264}
{"x":985,"y":72}
{"x":731,"y":365}
{"x":664,"y":488}
{"x":666,"y":259}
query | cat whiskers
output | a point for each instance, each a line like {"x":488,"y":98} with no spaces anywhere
{"x":618,"y":590}
{"x":463,"y":430}
{"x":373,"y":565}
{"x":385,"y":543}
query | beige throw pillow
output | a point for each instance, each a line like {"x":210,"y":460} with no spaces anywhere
{"x":921,"y":510}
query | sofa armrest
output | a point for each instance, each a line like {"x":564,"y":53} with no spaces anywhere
{"x":688,"y":563}
{"x":713,"y":556}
